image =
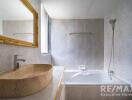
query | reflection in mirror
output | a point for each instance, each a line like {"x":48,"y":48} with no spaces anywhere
{"x":16,"y":21}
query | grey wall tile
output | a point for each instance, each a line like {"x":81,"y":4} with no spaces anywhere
{"x":86,"y":48}
{"x":123,"y":40}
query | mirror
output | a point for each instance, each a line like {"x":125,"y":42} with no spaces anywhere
{"x":18,"y":23}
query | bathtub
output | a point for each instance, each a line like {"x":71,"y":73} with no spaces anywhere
{"x":87,"y":86}
{"x":92,"y":77}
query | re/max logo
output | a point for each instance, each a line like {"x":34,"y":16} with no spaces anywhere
{"x":116,"y":89}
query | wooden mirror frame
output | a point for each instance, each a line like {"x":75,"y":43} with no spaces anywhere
{"x":12,"y":41}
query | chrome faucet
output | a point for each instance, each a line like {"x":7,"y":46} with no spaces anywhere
{"x":82,"y":68}
{"x":16,"y":62}
{"x":111,"y":73}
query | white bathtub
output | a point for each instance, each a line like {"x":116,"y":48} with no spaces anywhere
{"x":87,"y":86}
{"x":93,"y":77}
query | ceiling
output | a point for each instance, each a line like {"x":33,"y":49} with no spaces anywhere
{"x":14,"y":10}
{"x":80,"y":9}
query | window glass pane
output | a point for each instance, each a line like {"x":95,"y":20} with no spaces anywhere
{"x":44,"y":30}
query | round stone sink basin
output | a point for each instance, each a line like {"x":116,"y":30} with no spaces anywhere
{"x":25,"y":81}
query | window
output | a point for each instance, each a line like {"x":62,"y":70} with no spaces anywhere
{"x":44,"y":30}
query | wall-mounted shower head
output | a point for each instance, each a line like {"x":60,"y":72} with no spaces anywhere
{"x":112,"y":22}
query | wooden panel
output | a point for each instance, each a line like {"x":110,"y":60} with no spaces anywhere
{"x":89,"y":92}
{"x":60,"y":89}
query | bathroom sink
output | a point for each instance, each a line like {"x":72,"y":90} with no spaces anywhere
{"x":25,"y":81}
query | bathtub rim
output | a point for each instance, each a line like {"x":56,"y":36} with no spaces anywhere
{"x":123,"y":82}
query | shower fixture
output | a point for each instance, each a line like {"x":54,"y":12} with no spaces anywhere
{"x":112,"y":55}
{"x":112,"y":22}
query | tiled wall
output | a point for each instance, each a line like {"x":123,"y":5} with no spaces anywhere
{"x":84,"y":47}
{"x":1,"y":26}
{"x":32,"y":55}
{"x":123,"y":40}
